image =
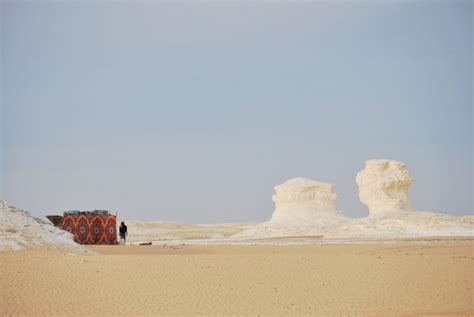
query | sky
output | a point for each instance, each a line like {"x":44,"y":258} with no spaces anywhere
{"x":194,"y":111}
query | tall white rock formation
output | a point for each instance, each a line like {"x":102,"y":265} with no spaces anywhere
{"x":383,"y":186}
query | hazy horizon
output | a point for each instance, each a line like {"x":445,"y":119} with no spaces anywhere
{"x":194,"y":111}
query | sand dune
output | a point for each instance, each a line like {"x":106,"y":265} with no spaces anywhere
{"x":409,"y":279}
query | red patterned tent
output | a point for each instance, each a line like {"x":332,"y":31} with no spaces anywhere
{"x":91,"y":227}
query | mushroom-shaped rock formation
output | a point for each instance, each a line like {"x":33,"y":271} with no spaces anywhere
{"x":303,"y":208}
{"x":383,"y":186}
{"x":304,"y":199}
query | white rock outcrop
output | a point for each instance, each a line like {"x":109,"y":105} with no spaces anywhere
{"x":383,"y":186}
{"x":308,"y":208}
{"x":304,"y":199}
{"x":20,"y":230}
{"x":303,"y":207}
{"x":405,"y":225}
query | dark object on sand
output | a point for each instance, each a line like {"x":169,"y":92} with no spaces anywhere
{"x":123,"y":232}
{"x":146,"y":243}
{"x":56,"y":220}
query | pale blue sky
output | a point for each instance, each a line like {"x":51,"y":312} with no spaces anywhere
{"x":195,"y":111}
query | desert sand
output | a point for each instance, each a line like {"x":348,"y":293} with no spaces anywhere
{"x":308,"y":259}
{"x":377,"y":279}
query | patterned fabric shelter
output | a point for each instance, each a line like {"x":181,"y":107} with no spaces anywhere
{"x":91,"y":227}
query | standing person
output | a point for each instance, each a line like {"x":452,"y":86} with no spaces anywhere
{"x":123,"y":232}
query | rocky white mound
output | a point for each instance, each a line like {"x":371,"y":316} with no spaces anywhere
{"x":406,"y":225}
{"x":20,"y":230}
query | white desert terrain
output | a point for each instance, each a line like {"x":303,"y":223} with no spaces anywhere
{"x":19,"y":230}
{"x":306,"y":212}
{"x":307,"y":260}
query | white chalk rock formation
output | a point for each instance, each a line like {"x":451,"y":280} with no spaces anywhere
{"x":303,"y":207}
{"x":308,"y":208}
{"x":303,"y":199}
{"x":383,"y":186}
{"x":20,"y":230}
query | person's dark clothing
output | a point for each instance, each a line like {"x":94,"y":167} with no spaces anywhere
{"x":123,"y":231}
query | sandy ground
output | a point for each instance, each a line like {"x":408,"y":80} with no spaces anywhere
{"x":380,"y":279}
{"x":140,"y":231}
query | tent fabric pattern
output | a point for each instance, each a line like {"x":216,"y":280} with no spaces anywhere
{"x":90,"y":228}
